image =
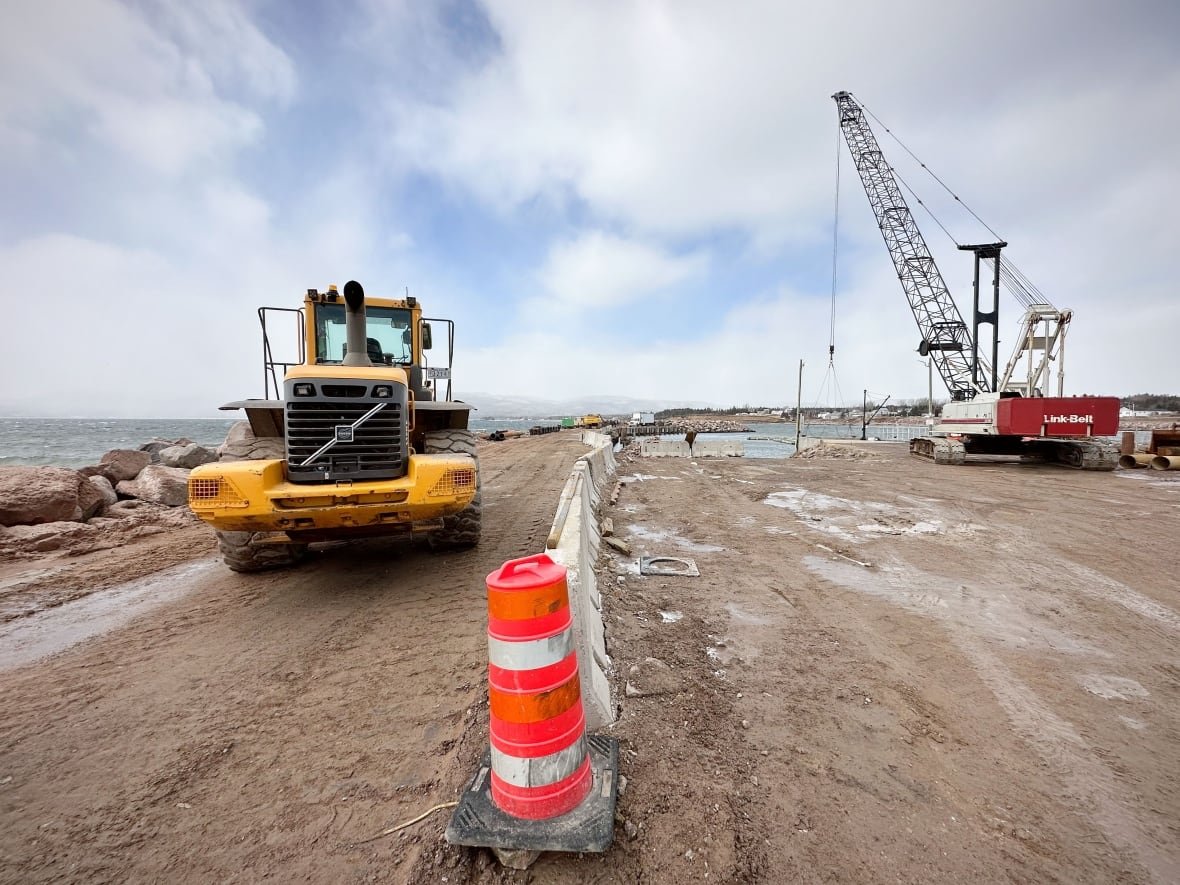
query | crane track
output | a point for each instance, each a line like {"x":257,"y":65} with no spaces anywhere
{"x":1080,"y":454}
{"x":940,"y":450}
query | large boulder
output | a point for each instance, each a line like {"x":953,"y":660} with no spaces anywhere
{"x":155,"y":445}
{"x":105,"y":489}
{"x":35,"y":495}
{"x":189,"y":456}
{"x":120,"y":464}
{"x":242,"y":445}
{"x":90,"y":498}
{"x":158,"y":484}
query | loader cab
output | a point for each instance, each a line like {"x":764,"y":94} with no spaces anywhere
{"x":396,"y":336}
{"x":393,"y":331}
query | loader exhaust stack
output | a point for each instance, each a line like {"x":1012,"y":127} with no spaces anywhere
{"x":354,"y":320}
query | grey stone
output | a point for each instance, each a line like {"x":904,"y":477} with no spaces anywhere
{"x":516,"y":858}
{"x":91,"y":500}
{"x":188,"y":457}
{"x":651,"y":677}
{"x":121,"y":464}
{"x":618,"y":544}
{"x":159,"y":485}
{"x":105,"y":489}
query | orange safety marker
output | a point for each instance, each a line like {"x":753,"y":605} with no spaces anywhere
{"x":540,"y":764}
{"x":544,"y":785}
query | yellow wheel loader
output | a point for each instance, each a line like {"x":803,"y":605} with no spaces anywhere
{"x":365,"y":440}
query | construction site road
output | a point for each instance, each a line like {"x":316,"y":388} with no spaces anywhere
{"x":886,"y":670}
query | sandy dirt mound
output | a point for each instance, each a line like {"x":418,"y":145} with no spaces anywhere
{"x":832,"y":451}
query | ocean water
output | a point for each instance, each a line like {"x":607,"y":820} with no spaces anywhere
{"x":78,"y":442}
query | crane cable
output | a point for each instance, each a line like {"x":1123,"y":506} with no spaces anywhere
{"x":1014,"y":280}
{"x":836,"y":395}
{"x":835,"y":248}
{"x":929,"y":170}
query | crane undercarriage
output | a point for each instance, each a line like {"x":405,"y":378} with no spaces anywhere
{"x":1083,"y":454}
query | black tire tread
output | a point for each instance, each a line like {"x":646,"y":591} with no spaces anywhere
{"x":243,"y":551}
{"x":464,"y":528}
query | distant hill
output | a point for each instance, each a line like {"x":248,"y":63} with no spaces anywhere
{"x":491,"y":405}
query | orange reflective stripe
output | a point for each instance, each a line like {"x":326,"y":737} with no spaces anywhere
{"x":525,"y":708}
{"x":521,"y":605}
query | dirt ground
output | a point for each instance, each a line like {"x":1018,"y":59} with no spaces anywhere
{"x":886,"y":671}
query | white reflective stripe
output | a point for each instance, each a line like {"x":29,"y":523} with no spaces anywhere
{"x":532,"y":653}
{"x":542,"y":770}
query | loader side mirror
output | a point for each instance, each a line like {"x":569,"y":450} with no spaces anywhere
{"x":426,"y":343}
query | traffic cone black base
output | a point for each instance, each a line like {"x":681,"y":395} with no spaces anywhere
{"x":477,"y":821}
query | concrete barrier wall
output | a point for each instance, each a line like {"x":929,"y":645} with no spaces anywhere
{"x":574,"y":541}
{"x":727,"y":448}
{"x":701,"y":448}
{"x":663,"y":448}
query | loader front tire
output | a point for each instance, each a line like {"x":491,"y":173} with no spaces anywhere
{"x":463,"y":529}
{"x":246,"y":551}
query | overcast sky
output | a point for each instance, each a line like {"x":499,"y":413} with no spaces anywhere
{"x":608,"y":198}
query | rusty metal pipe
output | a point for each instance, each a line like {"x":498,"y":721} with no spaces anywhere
{"x":1135,"y":459}
{"x":1166,"y":462}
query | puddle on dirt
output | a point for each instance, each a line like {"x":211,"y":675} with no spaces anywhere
{"x":1006,"y":615}
{"x":663,"y":535}
{"x":671,"y":617}
{"x":746,"y":617}
{"x":55,"y":629}
{"x":843,"y":518}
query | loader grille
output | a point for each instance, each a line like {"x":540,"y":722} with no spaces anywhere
{"x":373,"y":449}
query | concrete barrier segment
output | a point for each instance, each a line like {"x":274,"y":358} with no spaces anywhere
{"x":663,"y":448}
{"x":574,"y":541}
{"x":718,"y":449}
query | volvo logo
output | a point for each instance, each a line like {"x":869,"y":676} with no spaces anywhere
{"x":343,"y":433}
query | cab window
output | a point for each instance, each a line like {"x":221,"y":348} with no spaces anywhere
{"x":389,"y":327}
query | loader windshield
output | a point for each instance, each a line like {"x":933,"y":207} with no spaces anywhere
{"x":388,"y":330}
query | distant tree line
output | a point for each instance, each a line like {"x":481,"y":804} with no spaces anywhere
{"x":915,"y":407}
{"x":1152,"y":402}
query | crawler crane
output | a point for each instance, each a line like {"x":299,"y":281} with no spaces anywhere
{"x":988,"y":414}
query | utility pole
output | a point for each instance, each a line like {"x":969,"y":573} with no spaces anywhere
{"x":799,"y":408}
{"x":930,"y":391}
{"x":864,"y":416}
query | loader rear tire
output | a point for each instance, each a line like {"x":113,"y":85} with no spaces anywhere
{"x":246,"y":551}
{"x":463,"y":529}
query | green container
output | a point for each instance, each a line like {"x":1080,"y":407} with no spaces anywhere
{"x":568,"y":422}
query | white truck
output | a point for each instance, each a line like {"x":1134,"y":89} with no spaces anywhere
{"x":643,"y":419}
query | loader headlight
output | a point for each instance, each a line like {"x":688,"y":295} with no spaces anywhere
{"x":304,"y":390}
{"x":383,"y":391}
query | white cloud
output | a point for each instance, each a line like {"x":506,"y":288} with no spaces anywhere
{"x":624,"y":153}
{"x":598,"y":269}
{"x":93,"y":69}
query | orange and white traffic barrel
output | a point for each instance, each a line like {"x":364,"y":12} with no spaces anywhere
{"x":544,"y":784}
{"x":540,"y":762}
